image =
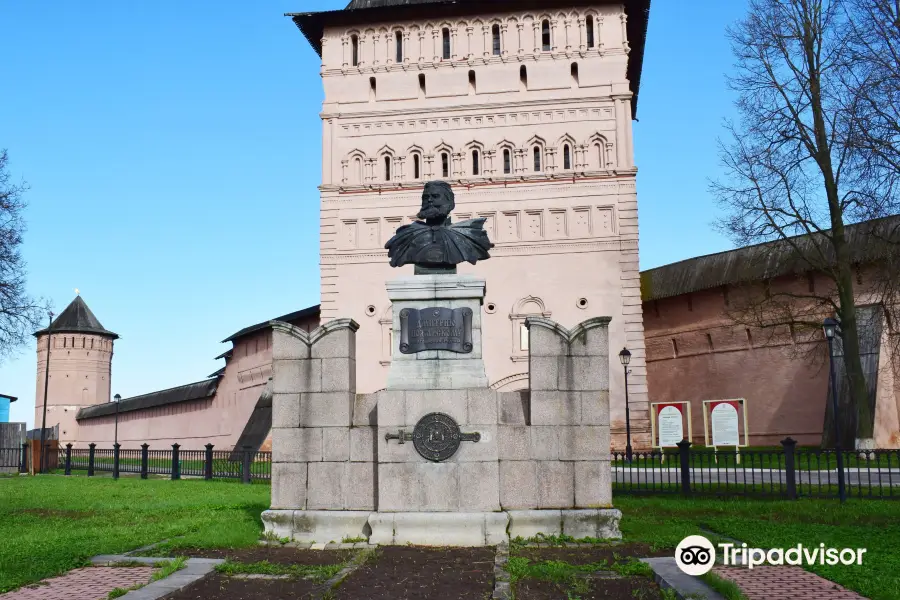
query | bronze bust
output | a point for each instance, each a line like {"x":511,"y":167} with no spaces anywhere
{"x":437,"y":246}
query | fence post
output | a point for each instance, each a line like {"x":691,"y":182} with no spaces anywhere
{"x":23,"y":461}
{"x":790,"y":479}
{"x":91,"y":447}
{"x":684,"y":452}
{"x":208,"y":466}
{"x":245,"y":467}
{"x":68,"y":459}
{"x":176,"y":464}
{"x":116,"y":460}
{"x":145,"y":459}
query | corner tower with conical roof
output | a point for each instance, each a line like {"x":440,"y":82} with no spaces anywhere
{"x":81,"y":351}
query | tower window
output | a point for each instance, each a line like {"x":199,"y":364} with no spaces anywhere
{"x":445,"y":164}
{"x":64,"y":341}
{"x":476,"y":167}
{"x":398,"y":36}
{"x":567,"y":157}
{"x":372,"y":89}
{"x":545,"y":34}
{"x":416,"y":167}
{"x":589,"y":25}
{"x":575,"y":74}
{"x":537,"y":159}
{"x":446,"y":42}
{"x":507,"y":161}
{"x":357,"y":170}
{"x":387,"y":168}
{"x":422,"y":84}
{"x":495,"y":32}
{"x":354,"y":44}
{"x":523,"y":78}
{"x":472,"y":88}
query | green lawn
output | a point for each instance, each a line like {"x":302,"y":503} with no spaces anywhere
{"x":870,"y":524}
{"x":51,"y":524}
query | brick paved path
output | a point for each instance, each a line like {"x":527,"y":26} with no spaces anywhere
{"x":89,"y":583}
{"x":784,"y":583}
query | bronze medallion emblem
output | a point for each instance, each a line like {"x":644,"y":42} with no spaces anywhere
{"x":436,"y":437}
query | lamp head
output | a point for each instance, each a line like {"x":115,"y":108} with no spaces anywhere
{"x":117,"y":397}
{"x":830,"y":327}
{"x":625,"y":356}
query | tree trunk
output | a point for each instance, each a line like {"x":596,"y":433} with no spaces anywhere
{"x":843,"y":269}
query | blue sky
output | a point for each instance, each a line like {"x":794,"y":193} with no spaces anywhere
{"x":173,"y":148}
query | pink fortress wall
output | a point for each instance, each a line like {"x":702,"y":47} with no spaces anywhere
{"x":695,"y":353}
{"x":564,"y":233}
{"x":218,"y":420}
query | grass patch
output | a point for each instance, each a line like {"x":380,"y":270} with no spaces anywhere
{"x":163,"y":570}
{"x":316,"y":573}
{"x":662,"y":522}
{"x":167,"y":567}
{"x":52,"y":524}
{"x":354,"y":540}
{"x":727,"y":588}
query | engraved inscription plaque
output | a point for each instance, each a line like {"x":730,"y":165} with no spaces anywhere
{"x":436,"y":329}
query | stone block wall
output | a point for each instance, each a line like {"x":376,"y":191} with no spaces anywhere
{"x":320,"y":461}
{"x":557,"y":455}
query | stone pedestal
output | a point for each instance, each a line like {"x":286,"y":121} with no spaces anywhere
{"x":539,"y":464}
{"x":437,"y":369}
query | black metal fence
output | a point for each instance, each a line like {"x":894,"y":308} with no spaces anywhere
{"x":247,"y":465}
{"x":788,"y":472}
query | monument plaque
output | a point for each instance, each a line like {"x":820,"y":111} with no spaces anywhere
{"x":436,"y":437}
{"x":436,"y":329}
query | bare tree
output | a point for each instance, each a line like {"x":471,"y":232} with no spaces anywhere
{"x":798,"y":170}
{"x":20,"y":314}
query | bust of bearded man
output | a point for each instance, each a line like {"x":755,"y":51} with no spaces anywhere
{"x":437,"y":246}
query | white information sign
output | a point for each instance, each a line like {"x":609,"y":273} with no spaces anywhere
{"x":725,"y":425}
{"x":671,"y":426}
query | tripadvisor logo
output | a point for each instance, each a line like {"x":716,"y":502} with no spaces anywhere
{"x":696,"y":555}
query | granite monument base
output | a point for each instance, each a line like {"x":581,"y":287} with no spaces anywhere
{"x":440,"y":528}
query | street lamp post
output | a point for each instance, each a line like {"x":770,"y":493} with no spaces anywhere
{"x":46,"y":385}
{"x":830,"y":327}
{"x":625,"y":358}
{"x":117,"y":398}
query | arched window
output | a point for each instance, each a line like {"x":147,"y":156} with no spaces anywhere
{"x":387,"y":168}
{"x":589,"y":26}
{"x":545,"y":35}
{"x":476,"y":167}
{"x":445,"y":34}
{"x":598,"y":152}
{"x":567,"y":157}
{"x":422,"y":84}
{"x":398,"y":37}
{"x":417,"y":169}
{"x":523,"y":78}
{"x":472,"y":86}
{"x":574,"y":74}
{"x":372,"y":89}
{"x":507,"y":161}
{"x":495,"y":32}
{"x":537,"y":159}
{"x":354,"y":44}
{"x":445,"y":164}
{"x":357,"y":170}
{"x":64,"y":341}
